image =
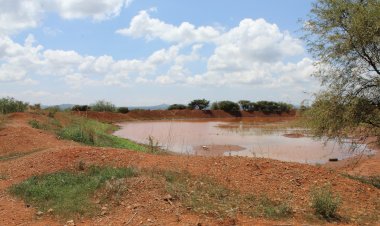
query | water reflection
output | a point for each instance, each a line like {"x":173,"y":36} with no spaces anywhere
{"x":270,"y":138}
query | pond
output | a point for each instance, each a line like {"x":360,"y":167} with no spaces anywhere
{"x":274,"y":138}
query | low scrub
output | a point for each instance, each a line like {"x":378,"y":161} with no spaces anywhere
{"x":9,"y":105}
{"x":177,"y":107}
{"x":324,"y":202}
{"x":203,"y":195}
{"x":69,"y":193}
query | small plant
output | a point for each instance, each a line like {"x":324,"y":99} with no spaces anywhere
{"x":153,"y":144}
{"x":324,"y":202}
{"x":37,"y":125}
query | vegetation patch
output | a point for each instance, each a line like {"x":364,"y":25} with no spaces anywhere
{"x":203,"y":195}
{"x":325,"y":203}
{"x":92,"y":132}
{"x":9,"y":105}
{"x":68,"y":193}
{"x":371,"y":180}
{"x":15,"y":155}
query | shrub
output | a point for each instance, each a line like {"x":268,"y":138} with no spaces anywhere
{"x":9,"y":105}
{"x":52,"y":110}
{"x":177,"y":107}
{"x":123,"y":110}
{"x":324,"y":202}
{"x":80,"y":108}
{"x":102,"y":105}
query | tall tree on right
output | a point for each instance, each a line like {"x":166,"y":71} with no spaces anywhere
{"x":344,"y":38}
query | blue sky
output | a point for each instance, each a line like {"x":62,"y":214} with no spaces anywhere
{"x":146,"y":52}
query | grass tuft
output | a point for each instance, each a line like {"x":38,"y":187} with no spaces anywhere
{"x":68,"y":193}
{"x":371,"y":180}
{"x":325,"y":203}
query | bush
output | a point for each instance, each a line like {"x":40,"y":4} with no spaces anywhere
{"x":80,"y":108}
{"x":177,"y":107}
{"x":324,"y":202}
{"x":102,"y":105}
{"x":123,"y":110}
{"x":9,"y":105}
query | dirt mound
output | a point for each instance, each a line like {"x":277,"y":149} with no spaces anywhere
{"x":145,"y":203}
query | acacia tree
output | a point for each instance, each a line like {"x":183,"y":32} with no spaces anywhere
{"x":199,"y":104}
{"x":344,"y":38}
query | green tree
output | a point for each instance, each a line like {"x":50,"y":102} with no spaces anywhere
{"x":199,"y":104}
{"x":344,"y":38}
{"x":9,"y":105}
{"x":245,"y":105}
{"x":228,"y":106}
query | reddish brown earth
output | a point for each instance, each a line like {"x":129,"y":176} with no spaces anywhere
{"x":144,"y":203}
{"x":177,"y":114}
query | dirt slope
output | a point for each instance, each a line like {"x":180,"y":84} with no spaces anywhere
{"x":145,"y":205}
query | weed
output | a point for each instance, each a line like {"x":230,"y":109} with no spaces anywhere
{"x":153,"y":145}
{"x":68,"y":193}
{"x":372,"y":180}
{"x":324,"y":202}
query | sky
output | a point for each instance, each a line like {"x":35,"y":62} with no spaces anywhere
{"x":146,"y":52}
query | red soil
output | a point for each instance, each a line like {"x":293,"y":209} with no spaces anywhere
{"x":175,"y":114}
{"x":144,"y":203}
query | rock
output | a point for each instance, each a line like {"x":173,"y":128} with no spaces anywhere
{"x":70,"y":223}
{"x":168,"y":197}
{"x":104,"y":208}
{"x":50,"y":210}
{"x":40,"y":213}
{"x":103,"y":213}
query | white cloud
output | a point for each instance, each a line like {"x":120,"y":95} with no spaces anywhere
{"x":17,"y":15}
{"x":143,"y":25}
{"x":96,"y":10}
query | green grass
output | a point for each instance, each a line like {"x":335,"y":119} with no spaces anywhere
{"x":371,"y":180}
{"x":68,"y":193}
{"x":95,"y":133}
{"x":203,"y":195}
{"x":325,"y":203}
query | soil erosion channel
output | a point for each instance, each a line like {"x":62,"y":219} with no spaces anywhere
{"x":242,"y":137}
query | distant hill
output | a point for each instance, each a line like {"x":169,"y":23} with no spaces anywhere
{"x":61,"y":106}
{"x":156,"y":107}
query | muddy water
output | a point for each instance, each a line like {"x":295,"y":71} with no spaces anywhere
{"x":245,"y":137}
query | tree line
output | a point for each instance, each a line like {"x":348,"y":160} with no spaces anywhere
{"x":230,"y":106}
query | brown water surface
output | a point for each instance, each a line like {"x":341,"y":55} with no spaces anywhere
{"x":252,"y":137}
